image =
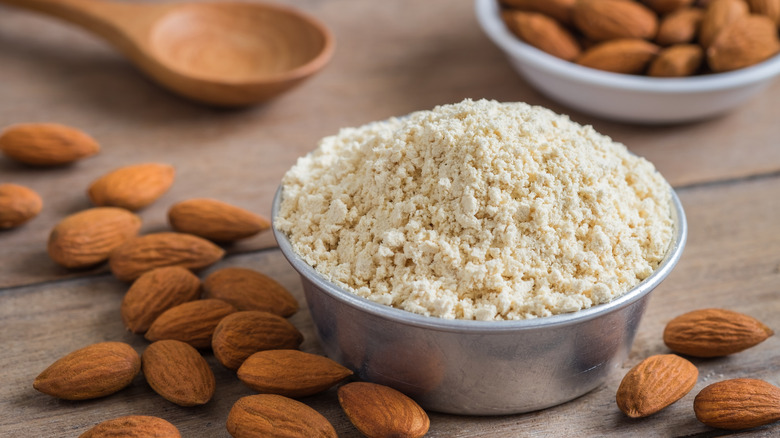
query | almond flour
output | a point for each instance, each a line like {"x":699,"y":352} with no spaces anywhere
{"x":478,"y":210}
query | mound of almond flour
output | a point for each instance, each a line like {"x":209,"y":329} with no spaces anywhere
{"x":478,"y":210}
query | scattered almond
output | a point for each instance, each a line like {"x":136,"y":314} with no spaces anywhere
{"x":270,"y":415}
{"x":46,"y":144}
{"x":290,"y":373}
{"x":543,"y":32}
{"x":215,"y":220}
{"x":132,"y":187}
{"x":144,"y":253}
{"x":241,"y":334}
{"x":714,"y":332}
{"x":557,"y":9}
{"x":192,"y":322}
{"x":177,"y":372}
{"x":679,"y":27}
{"x":18,"y":204}
{"x":133,"y":426}
{"x":742,"y":43}
{"x":630,"y":56}
{"x":717,"y":15}
{"x":381,"y":411}
{"x":677,"y":61}
{"x":654,"y":384}
{"x":602,"y":20}
{"x":90,"y":372}
{"x":154,"y":292}
{"x":250,"y":290}
{"x":737,"y":404}
{"x":86,"y":238}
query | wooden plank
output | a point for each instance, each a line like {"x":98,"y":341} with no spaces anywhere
{"x":732,"y":260}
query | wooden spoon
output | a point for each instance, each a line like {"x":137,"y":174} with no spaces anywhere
{"x":225,"y":54}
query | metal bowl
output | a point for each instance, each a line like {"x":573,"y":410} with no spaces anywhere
{"x":478,"y":367}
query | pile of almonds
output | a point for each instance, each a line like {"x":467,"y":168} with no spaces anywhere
{"x":661,"y":38}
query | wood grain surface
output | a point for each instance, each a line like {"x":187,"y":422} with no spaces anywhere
{"x":391,"y":58}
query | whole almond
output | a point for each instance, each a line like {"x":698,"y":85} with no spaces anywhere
{"x":602,"y":20}
{"x":542,"y":32}
{"x":154,"y":292}
{"x":192,"y":322}
{"x":177,"y":372}
{"x":215,"y":220}
{"x":90,"y":372}
{"x":717,"y":15}
{"x":677,"y":61}
{"x":742,"y":43}
{"x":132,"y":187}
{"x":18,"y":204}
{"x":86,"y":238}
{"x":270,"y":415}
{"x":738,"y":404}
{"x":654,"y":384}
{"x":679,"y":27}
{"x":248,"y":289}
{"x":770,"y":8}
{"x":290,"y":373}
{"x":242,"y":334}
{"x":133,"y":426}
{"x":144,"y":253}
{"x":381,"y":411}
{"x":46,"y":144}
{"x":714,"y":332}
{"x":667,"y":6}
{"x":560,"y":10}
{"x":630,"y":56}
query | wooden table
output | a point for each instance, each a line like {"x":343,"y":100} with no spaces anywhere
{"x":392,"y":58}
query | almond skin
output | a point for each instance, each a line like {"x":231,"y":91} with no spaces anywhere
{"x":654,"y":384}
{"x":629,"y":56}
{"x":290,"y":373}
{"x":770,"y":8}
{"x":154,"y":292}
{"x":742,"y":43}
{"x":381,"y":411}
{"x":215,"y":220}
{"x":679,"y":27}
{"x":250,"y":290}
{"x":87,"y":238}
{"x":18,"y":204}
{"x":713,"y":333}
{"x":717,"y":15}
{"x":270,"y":415}
{"x":667,"y":6}
{"x":542,"y":32}
{"x":133,"y":426}
{"x":677,"y":61}
{"x":241,"y":334}
{"x":141,"y":254}
{"x":90,"y":372}
{"x":738,"y":404}
{"x":602,"y":20}
{"x":177,"y":372}
{"x":46,"y":144}
{"x":192,"y":322}
{"x":560,"y":10}
{"x":132,"y":187}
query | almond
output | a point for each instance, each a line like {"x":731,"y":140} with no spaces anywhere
{"x":738,"y":404}
{"x":630,"y":56}
{"x":667,"y":6}
{"x":602,"y":20}
{"x":215,"y":220}
{"x":290,"y":373}
{"x":241,"y":334}
{"x":542,"y":32}
{"x":270,"y":415}
{"x":18,"y":204}
{"x":770,"y":8}
{"x":132,"y":187}
{"x":654,"y":384}
{"x":86,"y":238}
{"x":154,"y":292}
{"x":178,"y":373}
{"x":744,"y":42}
{"x":250,"y":290}
{"x":679,"y":27}
{"x":191,"y":322}
{"x":90,"y":372}
{"x":381,"y":411}
{"x":46,"y":144}
{"x":140,"y":254}
{"x":677,"y":61}
{"x":138,"y":426}
{"x":714,"y":332}
{"x":718,"y":14}
{"x":560,"y":10}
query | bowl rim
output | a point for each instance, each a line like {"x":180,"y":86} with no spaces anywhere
{"x":487,"y":13}
{"x":673,"y":254}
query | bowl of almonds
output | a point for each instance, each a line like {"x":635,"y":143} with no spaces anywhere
{"x":650,"y":62}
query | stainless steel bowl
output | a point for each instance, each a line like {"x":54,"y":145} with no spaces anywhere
{"x":478,"y":367}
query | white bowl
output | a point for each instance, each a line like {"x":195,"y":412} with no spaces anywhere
{"x":621,"y":97}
